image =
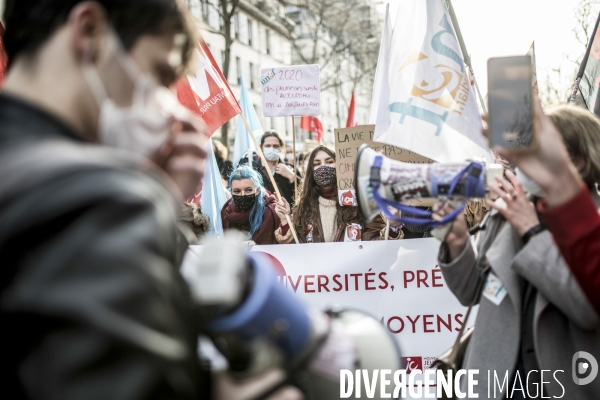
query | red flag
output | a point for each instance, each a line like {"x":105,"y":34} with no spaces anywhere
{"x":206,"y":92}
{"x":3,"y":58}
{"x":350,"y":121}
{"x":314,"y":125}
{"x":196,"y":197}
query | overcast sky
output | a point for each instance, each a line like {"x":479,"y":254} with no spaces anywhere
{"x":507,"y":27}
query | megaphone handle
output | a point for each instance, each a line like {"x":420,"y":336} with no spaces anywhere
{"x":264,"y":163}
{"x":387,"y":229}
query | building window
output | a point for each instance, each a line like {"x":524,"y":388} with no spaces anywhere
{"x":205,"y":10}
{"x":268,"y":41}
{"x":222,"y":59}
{"x":238,"y":69}
{"x":252,"y":75}
{"x":194,"y":9}
{"x":250,"y":33}
{"x":236,"y":26}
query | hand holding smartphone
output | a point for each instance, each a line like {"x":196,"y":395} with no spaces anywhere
{"x":510,"y":102}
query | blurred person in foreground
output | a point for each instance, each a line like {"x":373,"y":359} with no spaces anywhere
{"x":251,"y":209}
{"x":93,"y":172}
{"x":533,"y":315}
{"x":568,"y":209}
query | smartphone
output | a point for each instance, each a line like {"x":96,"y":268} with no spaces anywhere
{"x":510,"y":103}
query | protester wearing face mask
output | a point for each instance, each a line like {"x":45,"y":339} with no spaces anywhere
{"x":541,"y":317}
{"x":90,"y":287}
{"x":273,"y":149}
{"x":318,"y":217}
{"x":251,"y":209}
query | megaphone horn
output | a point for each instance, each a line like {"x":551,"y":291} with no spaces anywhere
{"x":380,"y":180}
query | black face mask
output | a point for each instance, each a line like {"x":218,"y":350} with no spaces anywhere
{"x":417,"y":228}
{"x":244,"y":203}
{"x":325,"y":176}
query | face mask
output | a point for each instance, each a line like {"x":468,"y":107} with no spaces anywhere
{"x":271,"y":154}
{"x":144,"y":126}
{"x":416,"y":228}
{"x":529,"y":185}
{"x":244,"y":203}
{"x":325,"y":176}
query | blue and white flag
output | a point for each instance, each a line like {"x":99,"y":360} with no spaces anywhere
{"x":243,"y":143}
{"x":213,"y":193}
{"x":432,"y":105}
{"x":381,"y":87}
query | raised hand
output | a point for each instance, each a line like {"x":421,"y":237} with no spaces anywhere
{"x":516,"y":207}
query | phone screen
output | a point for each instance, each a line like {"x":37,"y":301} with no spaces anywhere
{"x":510,"y":102}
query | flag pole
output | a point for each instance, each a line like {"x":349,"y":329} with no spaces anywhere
{"x":463,"y":49}
{"x":295,"y":160}
{"x":584,"y":62}
{"x":264,"y":162}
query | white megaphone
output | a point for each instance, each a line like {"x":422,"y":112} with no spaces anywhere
{"x":380,"y":180}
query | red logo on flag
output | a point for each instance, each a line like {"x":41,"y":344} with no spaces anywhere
{"x":206,"y":92}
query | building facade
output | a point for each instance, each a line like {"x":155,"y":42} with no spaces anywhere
{"x":266,"y":34}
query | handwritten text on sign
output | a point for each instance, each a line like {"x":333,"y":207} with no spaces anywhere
{"x":347,"y":143}
{"x":289,"y":91}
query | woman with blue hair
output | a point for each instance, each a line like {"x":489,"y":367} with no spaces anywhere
{"x":251,"y":208}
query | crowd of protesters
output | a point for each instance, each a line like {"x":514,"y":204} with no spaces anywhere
{"x":91,"y":300}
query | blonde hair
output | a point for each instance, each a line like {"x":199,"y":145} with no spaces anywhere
{"x":580,"y":130}
{"x":221,"y":151}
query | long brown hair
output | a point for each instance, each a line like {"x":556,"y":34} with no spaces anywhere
{"x":306,"y":208}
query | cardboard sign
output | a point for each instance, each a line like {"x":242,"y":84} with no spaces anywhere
{"x":291,"y":91}
{"x":347,"y":143}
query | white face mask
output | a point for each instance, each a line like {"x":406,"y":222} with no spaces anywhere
{"x":271,"y":154}
{"x":529,"y":186}
{"x":144,"y":126}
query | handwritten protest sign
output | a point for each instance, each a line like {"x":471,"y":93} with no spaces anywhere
{"x":291,"y":91}
{"x":347,"y":143}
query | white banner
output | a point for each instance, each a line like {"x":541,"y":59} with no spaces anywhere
{"x":291,"y":91}
{"x":397,"y":282}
